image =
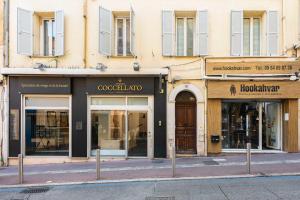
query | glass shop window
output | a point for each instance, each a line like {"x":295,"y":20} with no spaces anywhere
{"x":47,"y":126}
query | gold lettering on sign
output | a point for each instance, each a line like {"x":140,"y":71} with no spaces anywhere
{"x":253,"y":89}
{"x":121,"y":87}
{"x":44,"y":85}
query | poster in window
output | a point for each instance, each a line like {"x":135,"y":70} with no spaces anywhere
{"x":14,"y":124}
{"x":64,"y":121}
{"x":51,"y":119}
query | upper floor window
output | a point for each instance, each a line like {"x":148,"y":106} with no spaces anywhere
{"x":40,"y":33}
{"x":251,"y":35}
{"x":48,"y":39}
{"x":119,"y":39}
{"x":185,"y":36}
{"x":248,"y":34}
{"x":184,"y":33}
{"x":122,"y":36}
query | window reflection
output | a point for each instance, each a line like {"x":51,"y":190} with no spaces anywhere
{"x":137,"y":133}
{"x":108,"y":130}
{"x":236,"y":117}
{"x":47,"y":132}
{"x":263,"y":120}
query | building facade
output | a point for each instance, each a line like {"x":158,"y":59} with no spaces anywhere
{"x":137,"y":78}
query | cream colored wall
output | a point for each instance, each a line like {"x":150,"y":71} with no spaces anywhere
{"x":1,"y":22}
{"x":291,"y":11}
{"x":74,"y":34}
{"x":148,"y":30}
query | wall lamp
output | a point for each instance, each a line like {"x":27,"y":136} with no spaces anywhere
{"x":175,"y":79}
{"x":294,"y":77}
{"x":101,"y":67}
{"x":40,"y":66}
{"x":136,"y":66}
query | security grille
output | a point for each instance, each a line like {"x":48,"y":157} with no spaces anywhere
{"x":160,"y":198}
{"x":158,"y":161}
{"x":210,"y":162}
{"x":35,"y":190}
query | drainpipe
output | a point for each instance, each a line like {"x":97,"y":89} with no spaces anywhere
{"x":205,"y":109}
{"x":283,"y":21}
{"x":5,"y":120}
{"x":85,"y":33}
{"x":6,"y":33}
{"x":4,"y":94}
{"x":298,"y":20}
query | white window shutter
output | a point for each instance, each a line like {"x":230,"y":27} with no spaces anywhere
{"x":105,"y":31}
{"x":25,"y":32}
{"x":202,"y":17}
{"x":272,"y":33}
{"x":59,"y":33}
{"x":237,"y":33}
{"x":167,"y":32}
{"x":132,"y":32}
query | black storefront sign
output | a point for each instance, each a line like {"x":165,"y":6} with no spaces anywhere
{"x":79,"y":88}
{"x":42,"y":85}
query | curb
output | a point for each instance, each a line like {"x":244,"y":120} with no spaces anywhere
{"x":149,"y":180}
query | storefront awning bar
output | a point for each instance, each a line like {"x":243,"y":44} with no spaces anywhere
{"x":83,"y":72}
{"x":253,"y":75}
{"x":251,"y":57}
{"x":256,"y":77}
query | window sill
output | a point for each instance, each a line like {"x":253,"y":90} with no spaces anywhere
{"x":261,"y":56}
{"x":183,"y":56}
{"x":122,"y":56}
{"x":38,"y":56}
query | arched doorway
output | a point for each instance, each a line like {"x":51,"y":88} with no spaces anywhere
{"x":185,"y":123}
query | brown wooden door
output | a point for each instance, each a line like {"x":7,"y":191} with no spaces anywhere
{"x":185,"y":131}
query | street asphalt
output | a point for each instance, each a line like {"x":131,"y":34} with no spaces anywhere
{"x":264,"y":188}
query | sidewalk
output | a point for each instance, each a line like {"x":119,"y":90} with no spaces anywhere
{"x":220,"y":166}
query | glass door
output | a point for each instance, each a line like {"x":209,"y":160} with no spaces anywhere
{"x":121,"y":126}
{"x":137,"y":133}
{"x":271,"y":125}
{"x":108,"y":132}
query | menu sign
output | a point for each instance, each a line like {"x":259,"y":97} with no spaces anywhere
{"x":253,"y":89}
{"x":14,"y":124}
{"x":220,"y":68}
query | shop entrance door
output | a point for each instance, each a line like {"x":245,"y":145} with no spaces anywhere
{"x":137,"y":133}
{"x":271,"y":123}
{"x":185,"y":130}
{"x":121,"y":126}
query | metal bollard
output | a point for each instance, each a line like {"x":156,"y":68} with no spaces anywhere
{"x":98,"y":163}
{"x":249,"y":157}
{"x":20,"y":168}
{"x":173,"y":161}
